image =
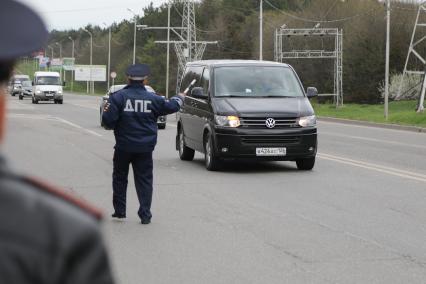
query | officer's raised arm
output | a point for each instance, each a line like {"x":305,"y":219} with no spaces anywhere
{"x":173,"y":104}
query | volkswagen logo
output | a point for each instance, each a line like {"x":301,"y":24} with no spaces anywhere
{"x":270,"y":123}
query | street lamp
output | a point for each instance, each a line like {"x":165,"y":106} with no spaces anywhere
{"x":51,"y":49}
{"x":72,"y":55}
{"x":134,"y":34}
{"x":60,"y":48}
{"x":109,"y":54}
{"x":60,"y":56}
{"x":91,"y":59}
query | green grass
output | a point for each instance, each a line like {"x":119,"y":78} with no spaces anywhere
{"x":401,"y":112}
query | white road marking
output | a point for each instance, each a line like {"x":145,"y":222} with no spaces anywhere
{"x":54,"y":118}
{"x":85,"y":106}
{"x":16,"y":105}
{"x":375,"y":167}
{"x":78,"y":126}
{"x":372,"y":127}
{"x":372,"y":140}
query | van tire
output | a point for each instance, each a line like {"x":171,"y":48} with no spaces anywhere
{"x":185,"y":153}
{"x":305,"y":164}
{"x":21,"y":97}
{"x":212,"y":163}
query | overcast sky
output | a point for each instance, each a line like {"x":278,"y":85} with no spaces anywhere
{"x":73,"y":14}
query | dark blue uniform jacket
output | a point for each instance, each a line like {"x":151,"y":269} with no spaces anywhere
{"x":133,"y":113}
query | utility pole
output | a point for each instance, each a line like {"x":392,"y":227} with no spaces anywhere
{"x":387,"y":59}
{"x":91,"y":61}
{"x":134,"y":34}
{"x":168,"y":49}
{"x":261,"y":31}
{"x":109,"y":55}
{"x":72,"y":71}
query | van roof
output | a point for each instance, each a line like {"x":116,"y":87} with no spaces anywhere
{"x":20,"y":76}
{"x":235,"y":62}
{"x":44,"y":73}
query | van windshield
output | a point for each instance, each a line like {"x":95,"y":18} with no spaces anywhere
{"x":26,"y":83}
{"x":48,"y":80}
{"x":256,"y":81}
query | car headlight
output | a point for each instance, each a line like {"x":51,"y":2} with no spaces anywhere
{"x":38,"y":92}
{"x":307,"y":121}
{"x":228,"y":121}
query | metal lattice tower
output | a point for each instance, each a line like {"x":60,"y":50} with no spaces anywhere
{"x":417,"y":54}
{"x":191,"y":50}
{"x":337,"y":53}
{"x":187,"y":48}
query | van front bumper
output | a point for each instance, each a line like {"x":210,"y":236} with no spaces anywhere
{"x":239,"y":143}
{"x":44,"y":96}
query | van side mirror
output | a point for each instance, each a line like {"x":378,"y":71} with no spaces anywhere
{"x":198,"y":92}
{"x":312,"y":92}
{"x":32,"y":83}
{"x":63,"y":83}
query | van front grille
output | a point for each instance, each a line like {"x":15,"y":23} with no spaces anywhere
{"x":260,"y":122}
{"x":270,"y":139}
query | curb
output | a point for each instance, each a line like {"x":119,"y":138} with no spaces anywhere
{"x":373,"y":124}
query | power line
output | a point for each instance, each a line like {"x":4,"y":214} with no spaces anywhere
{"x":320,"y":21}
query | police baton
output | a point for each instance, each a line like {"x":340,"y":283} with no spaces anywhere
{"x":190,"y":85}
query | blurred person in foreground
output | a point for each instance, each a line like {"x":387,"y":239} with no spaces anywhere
{"x":46,"y":236}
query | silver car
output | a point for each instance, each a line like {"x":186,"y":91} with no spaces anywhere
{"x":26,"y":90}
{"x":161,"y":121}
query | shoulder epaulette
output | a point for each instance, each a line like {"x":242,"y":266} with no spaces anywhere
{"x":53,"y":190}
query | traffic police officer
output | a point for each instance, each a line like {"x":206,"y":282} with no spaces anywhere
{"x":46,"y":236}
{"x":132,"y":112}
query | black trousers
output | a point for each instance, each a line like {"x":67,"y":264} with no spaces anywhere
{"x":142,"y":170}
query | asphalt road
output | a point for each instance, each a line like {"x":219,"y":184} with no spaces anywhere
{"x":358,"y":217}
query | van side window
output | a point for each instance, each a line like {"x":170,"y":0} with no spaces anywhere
{"x":205,"y":81}
{"x":191,"y":73}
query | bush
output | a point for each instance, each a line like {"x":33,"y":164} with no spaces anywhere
{"x":410,"y":89}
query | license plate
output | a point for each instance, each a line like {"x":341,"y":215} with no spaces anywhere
{"x":271,"y":151}
{"x":49,"y":95}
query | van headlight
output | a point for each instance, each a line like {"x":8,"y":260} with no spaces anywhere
{"x":38,"y":92}
{"x":59,"y":92}
{"x":228,"y":121}
{"x":307,"y":121}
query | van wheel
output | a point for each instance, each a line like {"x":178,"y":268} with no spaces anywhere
{"x":211,"y":161}
{"x":185,"y":153}
{"x":21,"y":98}
{"x":306,"y":164}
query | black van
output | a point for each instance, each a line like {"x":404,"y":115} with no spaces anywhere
{"x":240,"y":109}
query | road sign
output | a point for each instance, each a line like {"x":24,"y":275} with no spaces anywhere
{"x":56,"y":62}
{"x":113,"y":75}
{"x":95,"y":73}
{"x":43,"y":61}
{"x":68,"y":63}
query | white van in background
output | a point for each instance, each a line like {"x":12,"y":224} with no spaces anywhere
{"x":47,"y":86}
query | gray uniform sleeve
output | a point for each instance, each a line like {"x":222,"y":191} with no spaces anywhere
{"x":87,"y":260}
